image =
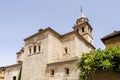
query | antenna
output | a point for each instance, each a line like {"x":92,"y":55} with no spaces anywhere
{"x":81,"y":12}
{"x":81,"y":9}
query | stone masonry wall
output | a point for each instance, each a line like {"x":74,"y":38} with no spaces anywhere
{"x":80,"y":47}
{"x":34,"y":65}
{"x":104,"y":75}
{"x":2,"y":74}
{"x":59,"y":71}
{"x":68,"y":43}
{"x":54,"y":48}
{"x":113,"y":41}
{"x":12,"y":71}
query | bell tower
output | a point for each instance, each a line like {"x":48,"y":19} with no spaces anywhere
{"x":83,"y":27}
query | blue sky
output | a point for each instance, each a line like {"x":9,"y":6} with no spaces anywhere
{"x":22,"y":18}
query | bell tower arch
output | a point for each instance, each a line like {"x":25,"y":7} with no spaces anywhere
{"x":83,"y":27}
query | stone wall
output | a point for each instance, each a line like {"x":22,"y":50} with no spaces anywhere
{"x":59,"y":71}
{"x":12,"y":71}
{"x":81,"y":46}
{"x":19,"y":58}
{"x":68,"y":42}
{"x":2,"y":72}
{"x":34,"y":64}
{"x":104,"y":75}
{"x":113,"y":41}
{"x":2,"y":75}
{"x":54,"y":48}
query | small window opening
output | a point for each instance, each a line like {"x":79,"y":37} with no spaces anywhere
{"x":39,"y":47}
{"x":82,"y":29}
{"x":67,"y":71}
{"x":77,"y":30}
{"x":30,"y":50}
{"x":66,"y":50}
{"x":14,"y":77}
{"x":35,"y":49}
{"x":52,"y":72}
{"x":19,"y":62}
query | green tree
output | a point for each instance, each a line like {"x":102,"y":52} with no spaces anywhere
{"x":107,"y":59}
{"x":19,"y":76}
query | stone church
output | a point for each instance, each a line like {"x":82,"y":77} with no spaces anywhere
{"x":48,"y":55}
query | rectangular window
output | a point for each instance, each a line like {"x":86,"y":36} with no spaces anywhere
{"x":34,"y":49}
{"x":39,"y":47}
{"x":52,"y":72}
{"x":66,"y":50}
{"x":67,"y":71}
{"x":14,"y":77}
{"x":30,"y":50}
{"x":77,"y":30}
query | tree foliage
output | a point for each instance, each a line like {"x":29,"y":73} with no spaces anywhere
{"x":107,"y":59}
{"x":19,"y":76}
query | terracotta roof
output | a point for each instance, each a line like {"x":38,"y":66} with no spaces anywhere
{"x":64,"y":60}
{"x":111,"y":35}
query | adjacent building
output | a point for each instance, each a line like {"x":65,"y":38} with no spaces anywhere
{"x":12,"y":72}
{"x":2,"y":72}
{"x":112,"y":39}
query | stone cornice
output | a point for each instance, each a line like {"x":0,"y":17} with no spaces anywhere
{"x":58,"y":35}
{"x":64,"y":60}
{"x":42,"y":31}
{"x":13,"y":65}
{"x":82,"y":24}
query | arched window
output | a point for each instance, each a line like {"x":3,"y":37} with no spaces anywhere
{"x":82,"y":29}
